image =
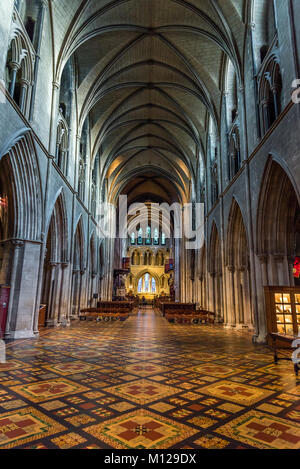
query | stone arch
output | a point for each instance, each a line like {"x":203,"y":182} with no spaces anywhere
{"x":237,"y":259}
{"x":278,"y":225}
{"x":270,"y":89}
{"x":20,"y":179}
{"x":78,"y":267}
{"x":152,"y":274}
{"x":21,"y":221}
{"x":20,"y":67}
{"x":55,"y":264}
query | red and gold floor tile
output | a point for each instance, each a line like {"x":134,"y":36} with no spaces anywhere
{"x":141,"y":430}
{"x":237,"y":393}
{"x":142,"y":391}
{"x":263,"y":431}
{"x":145,"y":383}
{"x":45,"y":390}
{"x":25,"y":425}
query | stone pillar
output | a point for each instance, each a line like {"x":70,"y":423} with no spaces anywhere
{"x":16,"y":252}
{"x":23,"y":95}
{"x":54,"y":116}
{"x":63,"y":312}
{"x":231,"y":313}
{"x":263,"y":259}
{"x":14,"y":67}
{"x":51,"y":320}
{"x":24,"y":287}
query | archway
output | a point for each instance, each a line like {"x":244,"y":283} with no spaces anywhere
{"x":278,"y":227}
{"x":56,"y":262}
{"x":239,"y":309}
{"x":21,"y":218}
{"x":78,"y":270}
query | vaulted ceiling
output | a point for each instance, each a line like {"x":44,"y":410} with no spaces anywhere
{"x":149,"y":75}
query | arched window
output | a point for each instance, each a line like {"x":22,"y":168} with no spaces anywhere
{"x":270,"y":88}
{"x":140,"y":236}
{"x":20,"y":68}
{"x":147,"y":283}
{"x":148,"y":235}
{"x":234,"y":154}
{"x":163,"y":239}
{"x":132,"y":238}
{"x":156,"y":237}
{"x":62,"y":143}
{"x":213,"y":151}
{"x":83,"y":161}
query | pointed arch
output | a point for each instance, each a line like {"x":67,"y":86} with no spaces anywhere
{"x":19,"y":167}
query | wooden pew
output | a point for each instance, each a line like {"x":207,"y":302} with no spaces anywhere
{"x":186,"y":313}
{"x":108,"y":311}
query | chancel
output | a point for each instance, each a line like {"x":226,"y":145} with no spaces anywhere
{"x":149,"y":224}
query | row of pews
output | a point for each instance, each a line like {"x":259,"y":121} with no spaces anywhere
{"x":108,"y":311}
{"x":185,"y":313}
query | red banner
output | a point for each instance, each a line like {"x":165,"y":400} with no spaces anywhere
{"x":296,"y":269}
{"x":4,"y":300}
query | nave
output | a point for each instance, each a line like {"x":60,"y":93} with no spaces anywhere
{"x":145,"y":383}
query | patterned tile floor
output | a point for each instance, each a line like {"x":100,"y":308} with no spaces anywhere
{"x":145,"y":383}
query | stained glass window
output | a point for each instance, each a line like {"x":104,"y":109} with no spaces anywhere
{"x":153,"y":285}
{"x":156,"y":236}
{"x":147,"y":283}
{"x":148,"y":235}
{"x":163,"y":239}
{"x":140,"y":285}
{"x":132,"y":238}
{"x":140,"y":236}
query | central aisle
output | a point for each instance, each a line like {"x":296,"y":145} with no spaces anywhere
{"x":145,"y":383}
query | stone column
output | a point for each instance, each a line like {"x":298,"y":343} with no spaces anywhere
{"x":231,"y":313}
{"x":263,"y":259}
{"x":14,"y":67}
{"x":23,"y":94}
{"x":54,"y":116}
{"x":16,"y":252}
{"x":51,"y":320}
{"x":63,"y":313}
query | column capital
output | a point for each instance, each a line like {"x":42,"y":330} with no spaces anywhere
{"x":17,"y":243}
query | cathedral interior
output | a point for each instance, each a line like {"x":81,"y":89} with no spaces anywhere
{"x":149,"y":340}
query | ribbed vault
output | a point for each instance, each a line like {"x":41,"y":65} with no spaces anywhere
{"x":149,"y":78}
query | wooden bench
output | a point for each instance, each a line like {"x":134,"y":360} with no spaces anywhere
{"x":108,"y":311}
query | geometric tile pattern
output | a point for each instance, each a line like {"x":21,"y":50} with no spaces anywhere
{"x":263,"y":431}
{"x":145,"y":383}
{"x":141,"y":430}
{"x":22,"y":426}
